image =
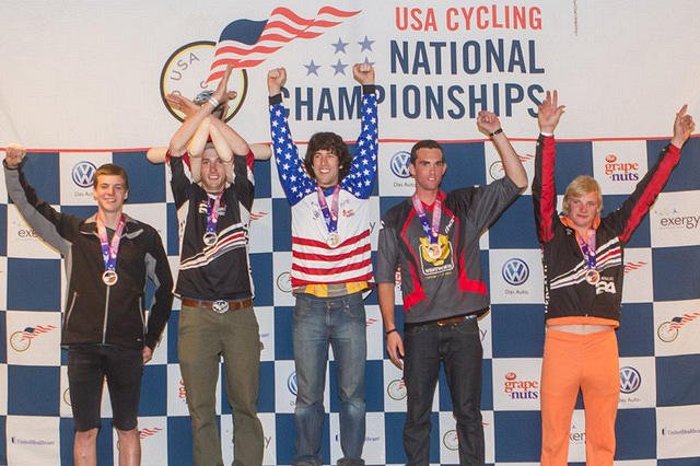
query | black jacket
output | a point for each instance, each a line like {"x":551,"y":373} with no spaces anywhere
{"x":567,"y":293}
{"x":96,"y":313}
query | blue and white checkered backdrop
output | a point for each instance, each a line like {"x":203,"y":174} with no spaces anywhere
{"x":99,"y":85}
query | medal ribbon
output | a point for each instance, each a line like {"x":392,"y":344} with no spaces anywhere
{"x":110,"y":250}
{"x":588,"y":250}
{"x":431,"y":232}
{"x":213,"y":212}
{"x":330,"y":215}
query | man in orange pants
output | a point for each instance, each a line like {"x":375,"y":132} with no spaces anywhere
{"x":583,"y":266}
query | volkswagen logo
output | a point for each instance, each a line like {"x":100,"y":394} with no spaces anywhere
{"x":515,"y":272}
{"x":630,"y":380}
{"x":83,"y":174}
{"x":399,"y":164}
{"x":292,"y":383}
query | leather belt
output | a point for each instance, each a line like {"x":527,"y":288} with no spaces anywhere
{"x":442,"y":322}
{"x":220,"y":306}
{"x":451,"y":320}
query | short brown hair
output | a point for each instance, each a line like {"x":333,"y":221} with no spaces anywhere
{"x":425,"y":144}
{"x":111,"y":169}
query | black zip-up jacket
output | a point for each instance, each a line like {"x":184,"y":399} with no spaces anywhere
{"x":96,"y":313}
{"x":566,"y":291}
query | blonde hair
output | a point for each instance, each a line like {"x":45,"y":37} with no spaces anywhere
{"x":580,"y":186}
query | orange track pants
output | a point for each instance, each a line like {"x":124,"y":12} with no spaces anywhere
{"x":591,"y":363}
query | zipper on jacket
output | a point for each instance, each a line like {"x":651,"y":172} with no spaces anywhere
{"x":104,"y":326}
{"x":70,"y":308}
{"x":143,"y":320}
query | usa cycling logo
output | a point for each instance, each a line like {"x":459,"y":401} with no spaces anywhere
{"x":21,"y":340}
{"x":83,"y":174}
{"x":399,"y":164}
{"x":668,"y":331}
{"x":396,"y":389}
{"x":284,"y":282}
{"x":292,"y":383}
{"x":450,"y":440}
{"x":630,"y":380}
{"x":515,"y":272}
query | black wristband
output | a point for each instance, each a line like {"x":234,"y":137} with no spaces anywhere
{"x":389,"y":332}
{"x":275,"y":99}
{"x":498,"y":131}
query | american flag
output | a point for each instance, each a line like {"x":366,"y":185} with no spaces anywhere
{"x":149,"y":432}
{"x":678,"y":322}
{"x":632,"y":266}
{"x":245,"y":43}
{"x":32,"y":332}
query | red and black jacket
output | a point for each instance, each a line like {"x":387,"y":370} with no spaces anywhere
{"x":566,"y":291}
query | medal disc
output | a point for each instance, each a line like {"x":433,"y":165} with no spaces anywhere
{"x":434,"y":251}
{"x":592,"y":276}
{"x":333,"y":240}
{"x":209,"y":238}
{"x":110,"y":277}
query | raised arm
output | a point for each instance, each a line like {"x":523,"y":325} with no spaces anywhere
{"x":544,"y":193}
{"x":294,"y":180}
{"x":626,"y":219}
{"x":683,"y":127}
{"x":179,"y":141}
{"x":52,"y":226}
{"x":363,"y":170}
{"x":489,"y":124}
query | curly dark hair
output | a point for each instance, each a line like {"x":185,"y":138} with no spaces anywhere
{"x":332,"y":143}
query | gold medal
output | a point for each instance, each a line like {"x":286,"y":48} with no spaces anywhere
{"x":434,"y":251}
{"x":333,"y":239}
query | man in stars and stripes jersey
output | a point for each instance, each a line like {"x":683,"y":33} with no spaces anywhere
{"x":329,"y":192}
{"x":582,"y":258}
{"x":214,"y":281}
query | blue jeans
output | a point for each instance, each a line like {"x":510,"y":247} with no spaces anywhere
{"x":341,"y":322}
{"x":458,"y":346}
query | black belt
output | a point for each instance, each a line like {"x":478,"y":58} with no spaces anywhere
{"x":441,"y":322}
{"x":220,"y":306}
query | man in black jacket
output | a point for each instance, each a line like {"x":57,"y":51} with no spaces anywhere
{"x":214,"y":280}
{"x":110,"y":256}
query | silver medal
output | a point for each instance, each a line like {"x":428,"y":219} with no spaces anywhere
{"x":209,"y":238}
